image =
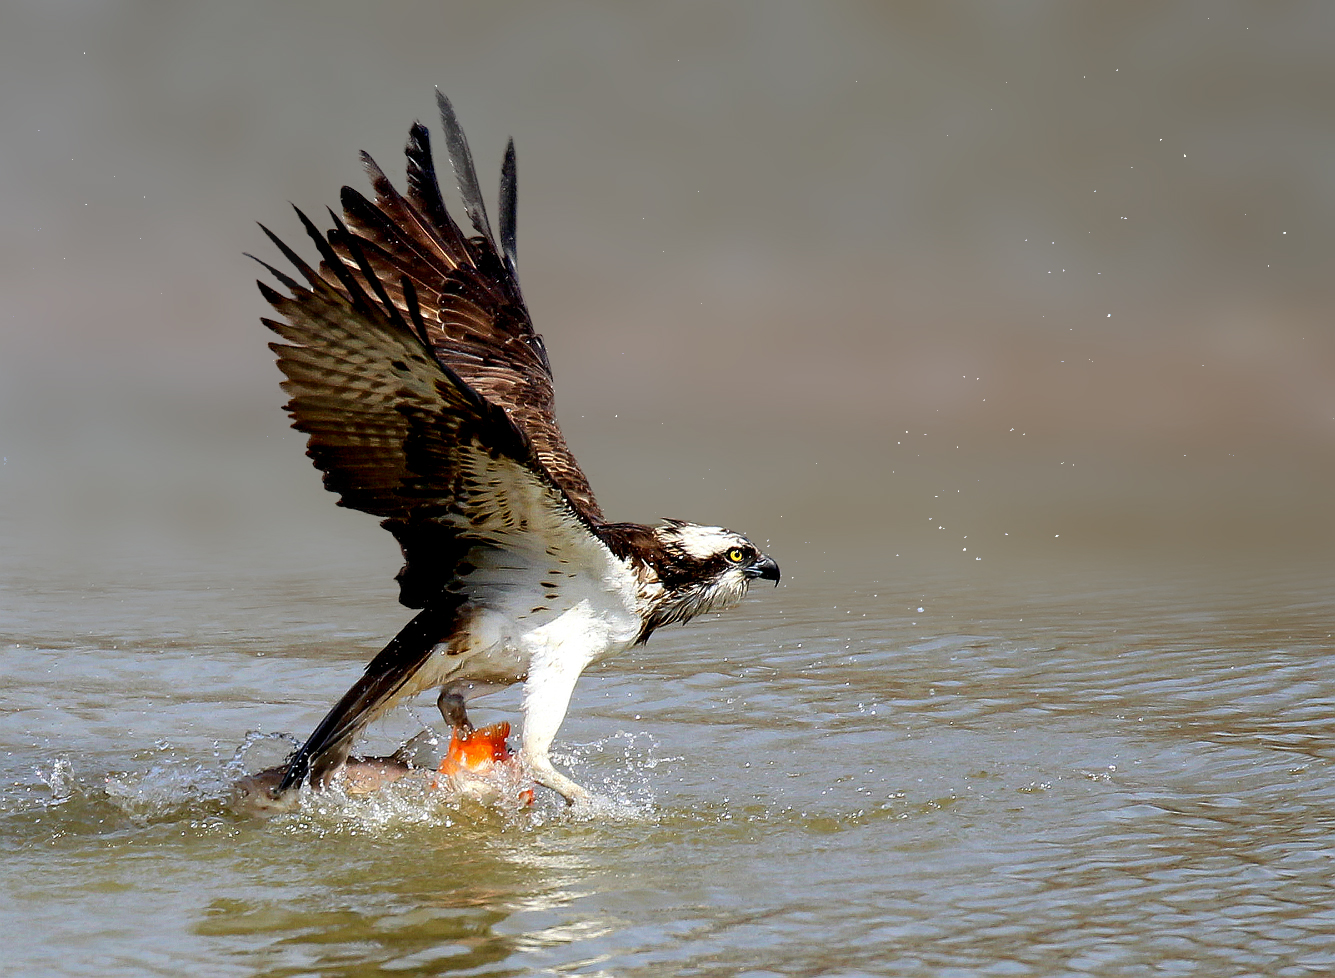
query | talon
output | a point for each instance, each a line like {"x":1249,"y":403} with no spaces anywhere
{"x":546,"y":775}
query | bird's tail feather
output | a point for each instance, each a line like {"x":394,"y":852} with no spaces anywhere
{"x":386,"y":675}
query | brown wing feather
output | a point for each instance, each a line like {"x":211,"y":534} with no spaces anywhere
{"x":471,"y":306}
{"x":412,"y":356}
{"x":396,"y":432}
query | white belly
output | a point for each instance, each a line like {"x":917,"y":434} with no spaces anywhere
{"x":519,"y":616}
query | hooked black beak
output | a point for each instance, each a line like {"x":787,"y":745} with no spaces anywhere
{"x":764,"y":567}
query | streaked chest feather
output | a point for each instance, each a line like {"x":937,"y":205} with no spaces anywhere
{"x":523,"y":607}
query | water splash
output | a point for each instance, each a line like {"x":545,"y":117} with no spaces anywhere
{"x":172,"y":790}
{"x":60,"y":781}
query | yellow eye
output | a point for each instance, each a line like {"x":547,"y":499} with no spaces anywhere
{"x":736,"y":555}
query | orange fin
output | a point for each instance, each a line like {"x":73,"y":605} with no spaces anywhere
{"x":483,"y":760}
{"x":477,"y":750}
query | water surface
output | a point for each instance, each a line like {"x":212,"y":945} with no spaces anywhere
{"x":1084,"y":768}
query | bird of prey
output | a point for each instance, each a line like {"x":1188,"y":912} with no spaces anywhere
{"x":413,"y":366}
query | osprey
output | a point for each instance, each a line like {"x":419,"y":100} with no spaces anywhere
{"x":413,"y":365}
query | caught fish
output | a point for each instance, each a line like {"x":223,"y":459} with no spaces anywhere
{"x":478,"y":764}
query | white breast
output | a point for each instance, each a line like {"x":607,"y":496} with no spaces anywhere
{"x":525,"y":608}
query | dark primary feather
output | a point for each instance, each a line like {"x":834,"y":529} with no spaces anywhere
{"x":508,"y":202}
{"x":424,"y":187}
{"x":464,"y":172}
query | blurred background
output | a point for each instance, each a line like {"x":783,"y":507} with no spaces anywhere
{"x":891,"y":286}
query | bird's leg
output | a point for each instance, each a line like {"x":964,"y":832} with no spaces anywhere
{"x":453,"y":709}
{"x":453,"y":701}
{"x":546,"y":696}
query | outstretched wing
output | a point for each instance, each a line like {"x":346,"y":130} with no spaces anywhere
{"x":400,"y":435}
{"x":468,"y":293}
{"x":415,"y":370}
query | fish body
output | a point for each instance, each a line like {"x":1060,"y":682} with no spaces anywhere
{"x":478,"y":764}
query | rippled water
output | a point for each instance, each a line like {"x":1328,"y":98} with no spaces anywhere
{"x":1051,"y":769}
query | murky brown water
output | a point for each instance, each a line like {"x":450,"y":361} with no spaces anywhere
{"x":1052,"y":768}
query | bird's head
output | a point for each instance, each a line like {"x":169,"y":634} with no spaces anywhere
{"x":704,"y":568}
